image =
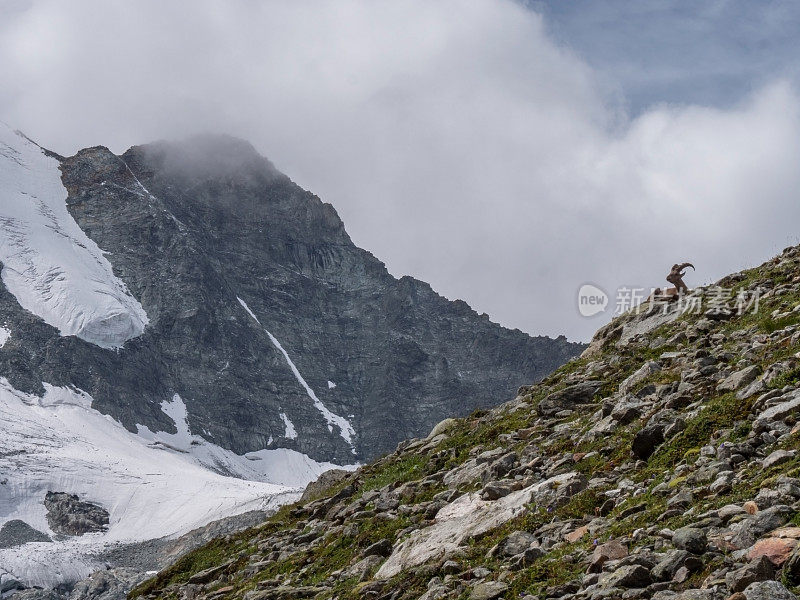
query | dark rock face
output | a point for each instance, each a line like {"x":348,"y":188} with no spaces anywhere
{"x":190,"y":228}
{"x":68,"y":515}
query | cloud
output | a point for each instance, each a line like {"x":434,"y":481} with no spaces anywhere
{"x":458,"y":141}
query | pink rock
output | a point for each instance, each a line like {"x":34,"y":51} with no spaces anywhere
{"x":574,"y":536}
{"x":613,"y":550}
{"x":776,"y":549}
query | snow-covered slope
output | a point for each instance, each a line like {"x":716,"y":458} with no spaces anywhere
{"x":53,"y":269}
{"x":152,"y":484}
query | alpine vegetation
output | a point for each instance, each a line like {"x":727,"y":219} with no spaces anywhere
{"x":662,"y":464}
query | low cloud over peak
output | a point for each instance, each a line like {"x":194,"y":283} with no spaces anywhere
{"x":457,"y":140}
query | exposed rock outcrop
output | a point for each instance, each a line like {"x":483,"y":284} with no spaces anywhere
{"x":69,"y":515}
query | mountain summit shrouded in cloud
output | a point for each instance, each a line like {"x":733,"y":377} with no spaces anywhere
{"x":483,"y":146}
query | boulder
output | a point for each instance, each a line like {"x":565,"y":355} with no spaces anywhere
{"x":690,"y":539}
{"x":638,"y":376}
{"x":739,"y":379}
{"x":629,"y":576}
{"x":557,"y":491}
{"x":488,"y":590}
{"x":768,"y":590}
{"x":673,"y":561}
{"x":442,"y":427}
{"x":776,"y":413}
{"x":16,"y":533}
{"x":778,"y":457}
{"x":759,"y":569}
{"x":517,"y":543}
{"x":611,"y":550}
{"x":791,"y":569}
{"x":755,"y":526}
{"x":110,"y":584}
{"x":580,"y":393}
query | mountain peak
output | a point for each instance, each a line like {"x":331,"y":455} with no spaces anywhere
{"x":208,"y":155}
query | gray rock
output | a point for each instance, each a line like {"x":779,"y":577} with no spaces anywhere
{"x":39,"y":594}
{"x":682,"y":499}
{"x":627,"y":410}
{"x":642,"y":373}
{"x":755,"y":526}
{"x":9,"y":582}
{"x":364,"y":567}
{"x":729,"y":511}
{"x":645,"y":322}
{"x":517,"y":543}
{"x":760,"y":569}
{"x":629,"y":576}
{"x":698,"y":595}
{"x":778,"y":457}
{"x":690,"y":539}
{"x":791,"y":569}
{"x":488,"y":590}
{"x":442,"y":427}
{"x":580,"y":393}
{"x":380,"y":548}
{"x":776,"y":413}
{"x":739,"y":379}
{"x":496,"y":489}
{"x":768,"y":590}
{"x":324,"y":482}
{"x":558,"y":490}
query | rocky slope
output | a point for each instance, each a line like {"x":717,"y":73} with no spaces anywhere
{"x":662,"y":464}
{"x":197,"y":269}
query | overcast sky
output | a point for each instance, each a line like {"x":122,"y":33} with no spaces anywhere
{"x":505,"y":152}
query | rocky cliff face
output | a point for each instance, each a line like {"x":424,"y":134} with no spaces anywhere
{"x":241,"y":293}
{"x":662,"y":464}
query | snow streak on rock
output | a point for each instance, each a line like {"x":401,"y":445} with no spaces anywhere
{"x":291,"y":432}
{"x":345,"y":428}
{"x":49,"y":264}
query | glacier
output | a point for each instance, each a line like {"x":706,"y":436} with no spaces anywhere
{"x":49,"y":264}
{"x":153,"y":484}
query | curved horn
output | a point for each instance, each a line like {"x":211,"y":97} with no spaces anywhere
{"x":684,"y":265}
